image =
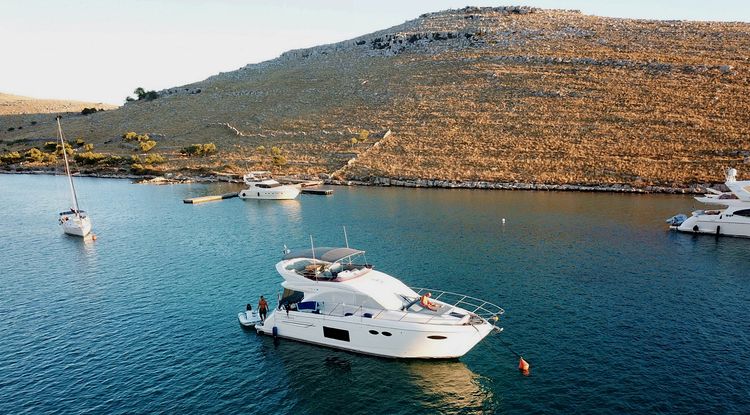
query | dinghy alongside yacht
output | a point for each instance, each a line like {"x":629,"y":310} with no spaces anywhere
{"x":333,"y":297}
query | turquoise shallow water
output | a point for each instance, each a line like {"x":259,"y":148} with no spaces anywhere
{"x":615,"y":314}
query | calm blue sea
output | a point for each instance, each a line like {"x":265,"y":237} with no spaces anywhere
{"x":614,"y":313}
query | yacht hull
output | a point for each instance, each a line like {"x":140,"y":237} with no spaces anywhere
{"x":77,"y":226}
{"x":285,"y":193}
{"x":720,"y":224}
{"x":374,"y":337}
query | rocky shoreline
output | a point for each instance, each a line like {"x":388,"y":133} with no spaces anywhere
{"x":174,"y":178}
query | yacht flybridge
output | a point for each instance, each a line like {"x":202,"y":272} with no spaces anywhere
{"x":734,"y":220}
{"x":262,"y":186}
{"x":333,"y":297}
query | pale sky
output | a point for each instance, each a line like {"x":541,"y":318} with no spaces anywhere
{"x":101,"y":50}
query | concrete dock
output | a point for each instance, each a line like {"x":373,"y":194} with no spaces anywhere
{"x":204,"y":199}
{"x":324,"y":192}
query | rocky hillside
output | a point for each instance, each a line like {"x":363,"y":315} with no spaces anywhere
{"x":507,"y":94}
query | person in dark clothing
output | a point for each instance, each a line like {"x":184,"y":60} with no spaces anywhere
{"x":262,"y":308}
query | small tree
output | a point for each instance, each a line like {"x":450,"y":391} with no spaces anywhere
{"x":140,"y":93}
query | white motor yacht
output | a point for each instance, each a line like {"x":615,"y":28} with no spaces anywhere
{"x":74,"y":221}
{"x":263,"y":186}
{"x":734,"y":220}
{"x":333,"y":297}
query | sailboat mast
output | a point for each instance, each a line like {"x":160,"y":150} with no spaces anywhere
{"x":67,"y":168}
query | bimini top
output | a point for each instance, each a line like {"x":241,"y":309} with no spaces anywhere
{"x":323,"y":253}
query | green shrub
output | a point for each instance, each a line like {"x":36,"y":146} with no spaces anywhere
{"x":209,"y":148}
{"x":112,"y":161}
{"x":138,"y":168}
{"x":35,"y":155}
{"x":88,"y":147}
{"x":92,"y":110}
{"x":275,"y":151}
{"x":89,"y":158}
{"x":199,"y":149}
{"x":10,"y":157}
{"x":146,"y":145}
{"x":68,"y":149}
{"x":363,"y":136}
{"x":80,"y":142}
{"x":50,"y":145}
{"x":142,"y":94}
{"x":278,"y":160}
{"x":130,"y":136}
{"x":260,"y":149}
{"x":154,"y":159}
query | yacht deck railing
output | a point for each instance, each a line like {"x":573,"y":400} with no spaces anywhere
{"x":482,"y":308}
{"x":485,"y":310}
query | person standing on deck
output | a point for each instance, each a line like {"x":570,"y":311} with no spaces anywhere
{"x":262,"y":308}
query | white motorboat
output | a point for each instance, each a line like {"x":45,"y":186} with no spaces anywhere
{"x":734,"y":220}
{"x":333,"y":297}
{"x":262,"y":186}
{"x":74,"y":221}
{"x":249,"y":318}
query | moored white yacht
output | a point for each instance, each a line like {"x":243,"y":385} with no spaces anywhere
{"x":263,"y":186}
{"x":734,"y":220}
{"x":334,"y":298}
{"x":74,"y":221}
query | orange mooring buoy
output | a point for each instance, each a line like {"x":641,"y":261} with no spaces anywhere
{"x":523,"y":366}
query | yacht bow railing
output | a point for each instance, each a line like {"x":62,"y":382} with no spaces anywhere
{"x":482,"y":308}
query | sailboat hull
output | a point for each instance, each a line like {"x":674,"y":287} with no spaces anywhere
{"x":76,"y":226}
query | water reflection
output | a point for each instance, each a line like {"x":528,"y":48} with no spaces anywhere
{"x":272,"y":212}
{"x":451,"y":387}
{"x":320,"y":379}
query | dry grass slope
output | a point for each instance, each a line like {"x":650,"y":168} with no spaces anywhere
{"x":495,"y":94}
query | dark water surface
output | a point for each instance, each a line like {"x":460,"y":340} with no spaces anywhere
{"x":615,"y":314}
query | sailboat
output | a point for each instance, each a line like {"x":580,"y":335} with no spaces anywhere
{"x":74,"y":221}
